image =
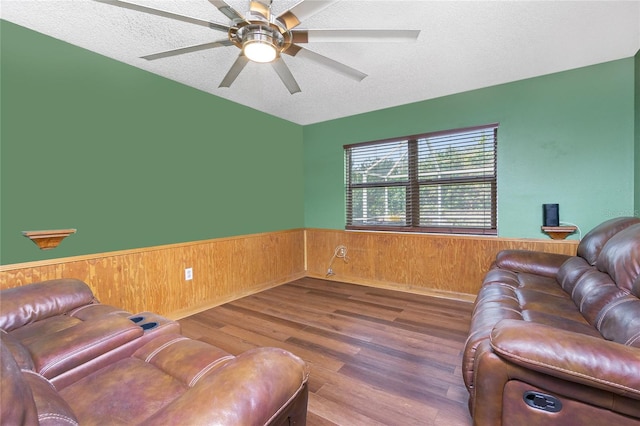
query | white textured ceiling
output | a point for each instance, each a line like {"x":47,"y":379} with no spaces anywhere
{"x":462,"y":46}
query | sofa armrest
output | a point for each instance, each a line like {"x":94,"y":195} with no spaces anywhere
{"x":574,"y":357}
{"x":532,"y":262}
{"x":256,"y":387}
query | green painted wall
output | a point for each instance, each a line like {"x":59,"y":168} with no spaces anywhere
{"x":564,"y":138}
{"x":131,"y":159}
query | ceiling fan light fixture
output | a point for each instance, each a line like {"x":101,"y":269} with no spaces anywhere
{"x":259,"y":46}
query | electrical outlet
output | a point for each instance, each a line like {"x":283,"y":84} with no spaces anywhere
{"x":188,"y":274}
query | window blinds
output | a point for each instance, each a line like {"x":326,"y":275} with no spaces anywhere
{"x":436,"y":182}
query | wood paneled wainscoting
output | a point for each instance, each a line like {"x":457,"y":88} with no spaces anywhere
{"x":440,"y":265}
{"x":225,"y":269}
{"x":153,"y":278}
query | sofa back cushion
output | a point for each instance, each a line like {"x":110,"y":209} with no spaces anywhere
{"x":619,"y":320}
{"x":620,"y":258}
{"x":592,"y":243}
{"x":571,"y":271}
{"x":608,"y":293}
{"x":594,"y":291}
{"x":23,"y":305}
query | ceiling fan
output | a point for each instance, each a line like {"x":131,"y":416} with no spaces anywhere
{"x":263,"y":37}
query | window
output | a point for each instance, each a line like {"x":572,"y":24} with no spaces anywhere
{"x":435,"y":182}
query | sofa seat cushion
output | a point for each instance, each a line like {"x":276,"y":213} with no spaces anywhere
{"x":499,"y":301}
{"x":540,"y":284}
{"x":574,"y":324}
{"x":35,"y":331}
{"x":559,"y":305}
{"x":123,"y":393}
{"x":187,"y":359}
{"x":524,"y":280}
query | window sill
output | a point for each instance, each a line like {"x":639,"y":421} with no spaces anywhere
{"x":425,"y":230}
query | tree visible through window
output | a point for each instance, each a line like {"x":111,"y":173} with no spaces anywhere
{"x":434,"y":182}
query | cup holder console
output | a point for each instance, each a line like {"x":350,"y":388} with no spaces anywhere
{"x":144,"y":322}
{"x":149,"y":325}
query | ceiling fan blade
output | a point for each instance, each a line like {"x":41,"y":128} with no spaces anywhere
{"x":228,"y":11}
{"x":260,"y":9}
{"x":194,"y":48}
{"x":301,"y":11}
{"x":300,"y":52}
{"x":310,"y":36}
{"x":234,"y":71}
{"x":285,"y":75}
{"x":166,"y":14}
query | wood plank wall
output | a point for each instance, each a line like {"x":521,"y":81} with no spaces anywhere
{"x":152,"y":279}
{"x":445,"y":265}
{"x":224,"y":269}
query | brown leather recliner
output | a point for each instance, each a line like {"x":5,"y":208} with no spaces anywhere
{"x":66,"y":359}
{"x":554,"y":339}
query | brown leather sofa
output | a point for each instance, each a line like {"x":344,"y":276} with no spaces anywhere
{"x":554,"y":339}
{"x":67,"y":359}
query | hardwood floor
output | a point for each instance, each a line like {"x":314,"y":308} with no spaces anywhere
{"x":377,"y":357}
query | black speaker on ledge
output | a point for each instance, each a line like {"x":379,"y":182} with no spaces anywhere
{"x":550,"y":215}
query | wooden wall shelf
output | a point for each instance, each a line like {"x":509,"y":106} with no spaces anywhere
{"x":47,"y":240}
{"x":558,"y":232}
